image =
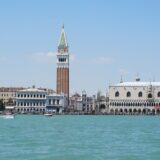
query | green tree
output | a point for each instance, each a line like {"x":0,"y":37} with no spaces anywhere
{"x":10,"y":102}
{"x":2,"y":106}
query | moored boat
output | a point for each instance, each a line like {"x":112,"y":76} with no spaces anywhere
{"x":48,"y":114}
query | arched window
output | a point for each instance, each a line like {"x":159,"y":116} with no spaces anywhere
{"x":149,"y":95}
{"x":128,"y":94}
{"x":117,"y":94}
{"x":158,"y":95}
{"x":140,"y":94}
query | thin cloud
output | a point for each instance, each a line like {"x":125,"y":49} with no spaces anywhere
{"x":72,"y":58}
{"x":43,"y":56}
{"x":102,"y":60}
{"x":48,"y":56}
{"x":51,"y":54}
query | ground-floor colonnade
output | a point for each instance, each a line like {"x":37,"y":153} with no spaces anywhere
{"x":134,"y":111}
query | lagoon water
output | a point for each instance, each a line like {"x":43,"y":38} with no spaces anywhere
{"x":29,"y":137}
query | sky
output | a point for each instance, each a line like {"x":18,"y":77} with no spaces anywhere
{"x":107,"y":39}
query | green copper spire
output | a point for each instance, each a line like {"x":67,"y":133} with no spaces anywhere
{"x":63,"y":40}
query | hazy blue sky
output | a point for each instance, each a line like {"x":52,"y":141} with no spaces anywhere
{"x":107,"y":39}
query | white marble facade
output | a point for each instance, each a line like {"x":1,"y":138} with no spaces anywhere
{"x":33,"y":100}
{"x":134,"y":98}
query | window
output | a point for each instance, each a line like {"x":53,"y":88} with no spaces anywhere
{"x":158,"y":95}
{"x":140,"y":94}
{"x":149,"y":95}
{"x":128,"y":94}
{"x":117,"y":94}
{"x":62,"y":59}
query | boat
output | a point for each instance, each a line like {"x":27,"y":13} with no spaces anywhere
{"x":48,"y":114}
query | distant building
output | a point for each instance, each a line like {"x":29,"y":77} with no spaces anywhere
{"x":34,"y":100}
{"x":75,"y":103}
{"x":88,"y":103}
{"x":56,"y":103}
{"x":63,"y":65}
{"x":48,"y":90}
{"x":8,"y":94}
{"x":134,"y":98}
{"x":101,"y":103}
{"x":82,"y":103}
{"x":31,"y":100}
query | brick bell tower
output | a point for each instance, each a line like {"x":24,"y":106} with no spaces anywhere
{"x":63,"y":65}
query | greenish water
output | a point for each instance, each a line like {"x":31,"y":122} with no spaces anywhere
{"x":80,"y":138}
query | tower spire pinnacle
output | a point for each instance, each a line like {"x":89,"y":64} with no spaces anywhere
{"x":121,"y":81}
{"x":63,"y":39}
{"x":137,"y":77}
